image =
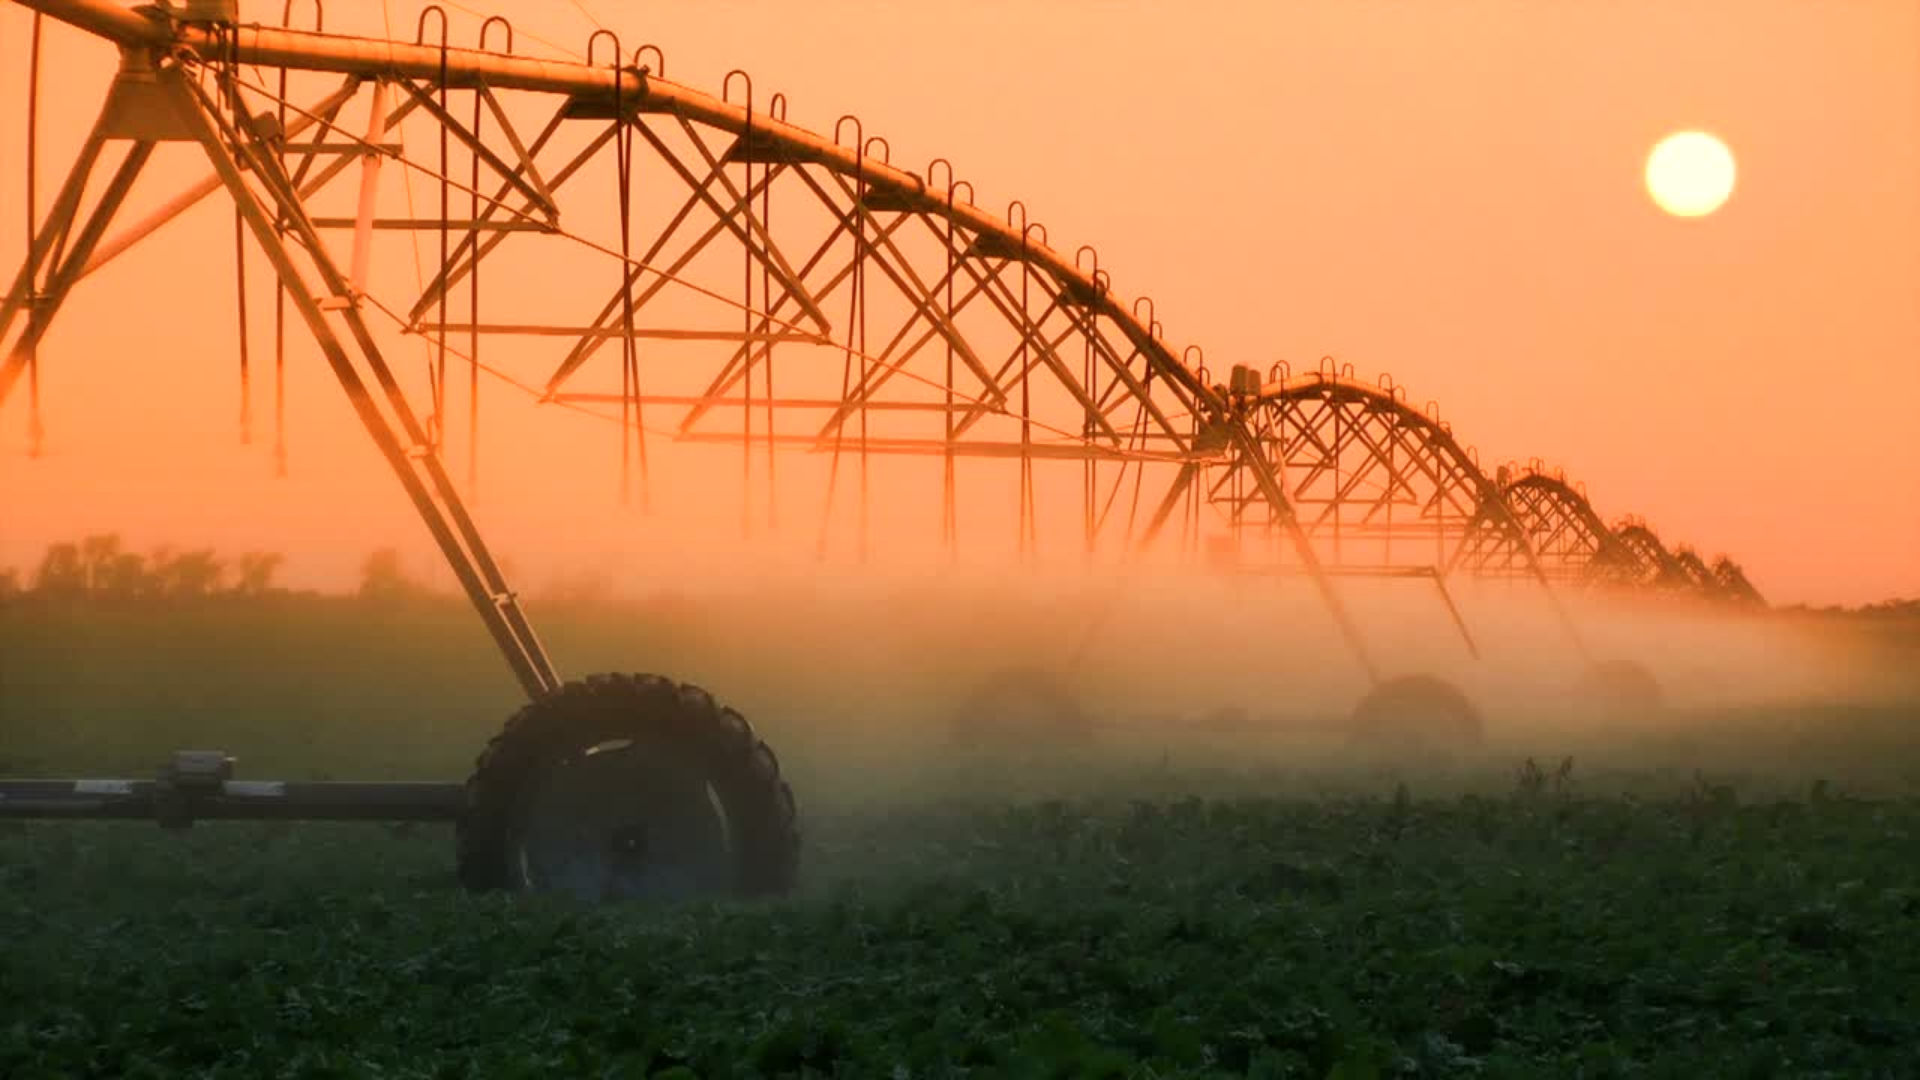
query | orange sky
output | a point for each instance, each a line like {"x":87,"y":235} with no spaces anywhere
{"x":1446,"y":191}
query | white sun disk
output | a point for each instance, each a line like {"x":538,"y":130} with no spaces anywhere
{"x":1690,"y":174}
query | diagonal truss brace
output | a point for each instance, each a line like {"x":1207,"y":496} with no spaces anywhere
{"x":419,"y":469}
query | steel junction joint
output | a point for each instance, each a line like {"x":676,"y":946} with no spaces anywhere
{"x":191,"y":776}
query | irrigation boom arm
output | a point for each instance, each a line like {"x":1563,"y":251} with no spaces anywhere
{"x":1209,"y":442}
{"x":373,"y":58}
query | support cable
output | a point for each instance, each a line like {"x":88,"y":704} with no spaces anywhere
{"x":36,"y":432}
{"x":279,"y":286}
{"x":437,"y":432}
{"x":538,"y":395}
{"x":230,"y":76}
{"x":329,"y":127}
{"x":631,"y":404}
{"x":536,"y":38}
{"x":1140,"y":468}
{"x":859,"y":328}
{"x":1089,"y":379}
{"x":778,"y":110}
{"x":745,"y":208}
{"x":240,"y":284}
{"x":949,"y":510}
{"x":413,"y":238}
{"x":858,"y":224}
{"x":1028,"y":537}
{"x":473,"y":272}
{"x":597,"y":24}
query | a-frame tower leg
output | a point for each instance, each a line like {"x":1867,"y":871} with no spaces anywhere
{"x":235,"y":149}
{"x":56,"y":250}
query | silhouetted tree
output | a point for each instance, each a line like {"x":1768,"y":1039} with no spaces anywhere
{"x":580,"y":589}
{"x":9,"y":584}
{"x":125,"y":578}
{"x":98,"y":554}
{"x":257,"y":570}
{"x":61,"y":572}
{"x":190,"y":573}
{"x":159,"y":570}
{"x":383,"y":578}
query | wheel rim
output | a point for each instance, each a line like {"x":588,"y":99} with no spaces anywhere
{"x":620,"y":821}
{"x":1022,"y":709}
{"x":1414,"y":717}
{"x":1621,"y":686}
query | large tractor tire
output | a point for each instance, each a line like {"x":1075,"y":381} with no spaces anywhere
{"x":1416,"y":716}
{"x":1621,"y":688}
{"x":628,"y":787}
{"x":1024,"y":710}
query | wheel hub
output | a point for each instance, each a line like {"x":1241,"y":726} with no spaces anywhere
{"x":621,"y":822}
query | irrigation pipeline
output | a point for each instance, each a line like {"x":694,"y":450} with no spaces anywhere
{"x":1336,"y":473}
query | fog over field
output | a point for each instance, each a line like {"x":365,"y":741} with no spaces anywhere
{"x":876,"y":681}
{"x":1048,"y":821}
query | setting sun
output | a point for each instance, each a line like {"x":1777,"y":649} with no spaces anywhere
{"x":897,"y":541}
{"x":1690,"y":174}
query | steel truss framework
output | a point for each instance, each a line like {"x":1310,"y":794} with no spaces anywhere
{"x":1573,"y":543}
{"x":753,"y":284}
{"x":1575,"y":546}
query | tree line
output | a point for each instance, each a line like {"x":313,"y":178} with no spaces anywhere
{"x":103,"y":567}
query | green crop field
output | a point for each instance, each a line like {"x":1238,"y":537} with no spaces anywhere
{"x":1728,"y":891}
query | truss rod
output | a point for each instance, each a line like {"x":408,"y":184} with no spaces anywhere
{"x":267,"y":46}
{"x":421,"y":475}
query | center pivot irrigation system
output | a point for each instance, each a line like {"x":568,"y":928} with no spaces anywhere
{"x":838,"y":320}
